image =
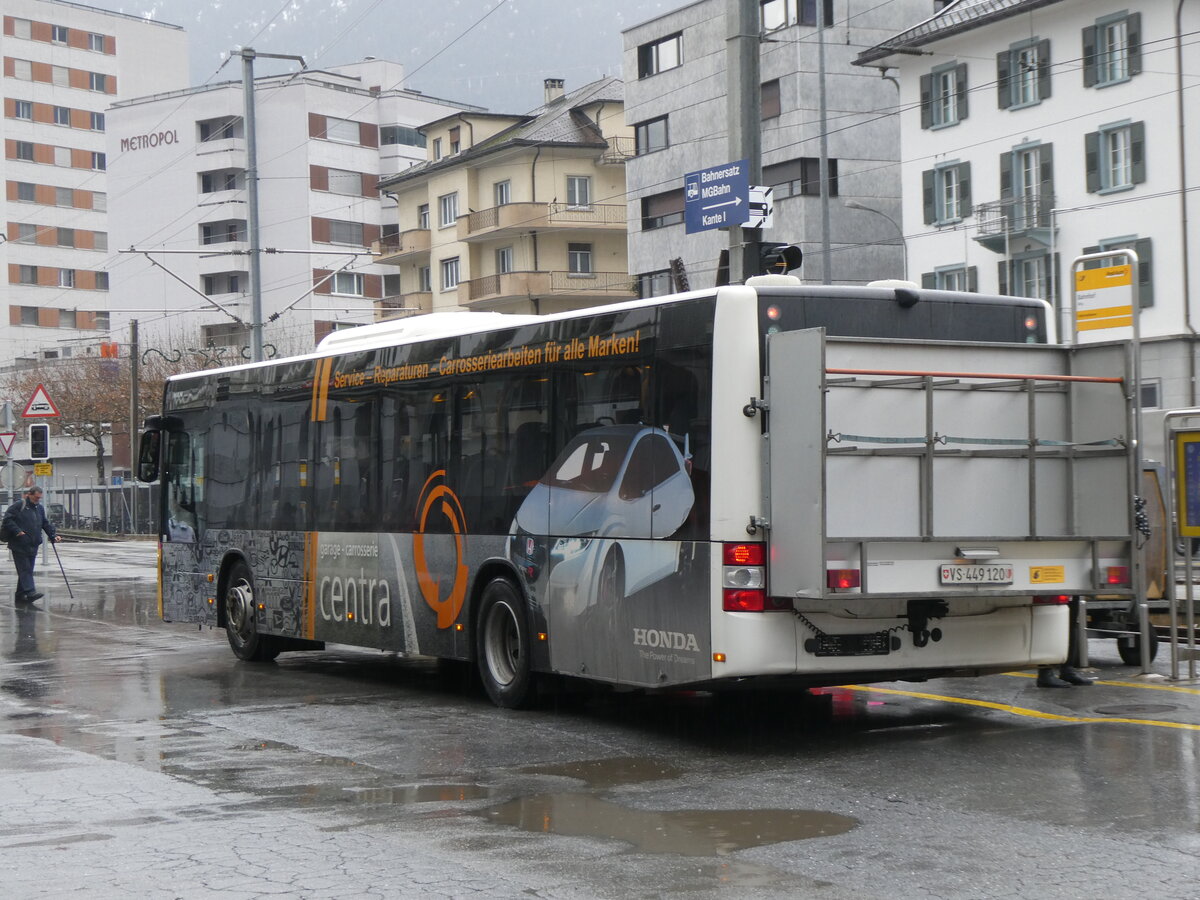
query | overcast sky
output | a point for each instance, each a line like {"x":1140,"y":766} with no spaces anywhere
{"x":492,"y":53}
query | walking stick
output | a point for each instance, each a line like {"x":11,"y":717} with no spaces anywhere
{"x":61,"y":569}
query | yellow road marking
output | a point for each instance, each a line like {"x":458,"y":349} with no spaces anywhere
{"x":1172,"y":688}
{"x":1020,"y":710}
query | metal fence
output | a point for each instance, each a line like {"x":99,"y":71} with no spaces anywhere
{"x":105,"y":509}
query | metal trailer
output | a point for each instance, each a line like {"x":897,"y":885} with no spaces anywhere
{"x":927,"y":480}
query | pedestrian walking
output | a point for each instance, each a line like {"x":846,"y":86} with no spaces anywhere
{"x":1067,"y":673}
{"x":23,"y":525}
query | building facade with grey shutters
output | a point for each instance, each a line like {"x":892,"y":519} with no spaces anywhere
{"x":675,"y":99}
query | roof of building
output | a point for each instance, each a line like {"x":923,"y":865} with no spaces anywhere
{"x":116,"y":15}
{"x":959,"y":16}
{"x":560,"y":123}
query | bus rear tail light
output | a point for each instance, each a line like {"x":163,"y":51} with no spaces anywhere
{"x":1117,"y":575}
{"x":1052,"y":599}
{"x":744,"y":579}
{"x":843,"y":579}
{"x":734,"y":600}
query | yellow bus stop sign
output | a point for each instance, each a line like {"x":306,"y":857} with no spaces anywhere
{"x":1104,"y":299}
{"x":1187,"y":482}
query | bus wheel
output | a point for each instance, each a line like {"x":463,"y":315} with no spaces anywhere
{"x":503,"y":646}
{"x":240,"y":626}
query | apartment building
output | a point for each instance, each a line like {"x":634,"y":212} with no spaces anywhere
{"x":517,"y":213}
{"x":1036,"y":131}
{"x":675,"y":99}
{"x":64,"y":64}
{"x":325,"y":138}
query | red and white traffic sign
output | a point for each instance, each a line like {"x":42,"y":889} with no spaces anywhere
{"x":6,"y":441}
{"x":40,"y":406}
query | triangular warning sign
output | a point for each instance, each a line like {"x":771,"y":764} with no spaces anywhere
{"x":6,"y":441}
{"x":40,"y":406}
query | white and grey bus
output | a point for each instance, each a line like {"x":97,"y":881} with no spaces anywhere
{"x":821,"y":485}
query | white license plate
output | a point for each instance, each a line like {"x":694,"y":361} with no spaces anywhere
{"x":993,"y":573}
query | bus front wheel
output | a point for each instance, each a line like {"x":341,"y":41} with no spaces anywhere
{"x":240,"y":625}
{"x":503,"y":646}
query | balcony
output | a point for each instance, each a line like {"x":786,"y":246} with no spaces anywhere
{"x":592,"y":286}
{"x":411,"y":304}
{"x":397,"y":248}
{"x":516,"y":218}
{"x":1001,"y":222}
{"x":620,"y":149}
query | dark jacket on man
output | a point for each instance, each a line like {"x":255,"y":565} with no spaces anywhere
{"x":31,"y":519}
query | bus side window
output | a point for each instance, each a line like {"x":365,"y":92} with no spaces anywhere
{"x":184,"y":489}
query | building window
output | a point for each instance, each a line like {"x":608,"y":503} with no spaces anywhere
{"x":424,"y":279}
{"x":579,"y":259}
{"x":946,"y":193}
{"x":60,"y":76}
{"x":96,"y":42}
{"x":770,"y":99}
{"x":1027,"y":186}
{"x":447,"y":210}
{"x":220,"y":129}
{"x":655,"y":284}
{"x":97,"y":121}
{"x":97,"y":82}
{"x":401,"y":134}
{"x":26,"y":233}
{"x":102,"y":281}
{"x":776,"y":14}
{"x":223,"y":232}
{"x":1144,"y":248}
{"x":219,"y":180}
{"x":1023,"y":74}
{"x":944,"y":96}
{"x":391,"y":285}
{"x":27,"y":275}
{"x":651,"y":135}
{"x":99,"y":201}
{"x":952,"y":278}
{"x":423,"y":217}
{"x":64,"y":197}
{"x":29,"y":315}
{"x":808,"y":12}
{"x":504,"y":260}
{"x":62,"y":156}
{"x":65,"y":237}
{"x":23,"y":28}
{"x":579,"y":191}
{"x":342,"y":181}
{"x":344,"y":131}
{"x":661,"y":210}
{"x":67,"y":318}
{"x":59,"y":34}
{"x":22,"y":69}
{"x":26,"y":192}
{"x":23,"y":109}
{"x":223,"y":283}
{"x":1112,"y":50}
{"x":23,"y":150}
{"x":1025,"y":275}
{"x":661,"y":55}
{"x":343,"y":232}
{"x":99,"y":162}
{"x":1115,"y":157}
{"x":62,"y":116}
{"x":450,"y":274}
{"x":437,"y":148}
{"x":348,"y":283}
{"x":66,"y":278}
{"x":800,"y":178}
{"x":502,"y":191}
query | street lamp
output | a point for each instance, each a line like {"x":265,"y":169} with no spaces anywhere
{"x":854,"y":204}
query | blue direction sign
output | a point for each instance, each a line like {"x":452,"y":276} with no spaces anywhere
{"x":718,"y":197}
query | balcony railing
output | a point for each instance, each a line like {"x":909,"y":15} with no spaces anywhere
{"x":1025,"y":216}
{"x":619,"y":150}
{"x":410,"y":304}
{"x":618,"y":285}
{"x":407,"y":243}
{"x":536,"y":216}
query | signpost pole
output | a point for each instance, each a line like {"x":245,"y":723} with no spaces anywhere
{"x":744,"y":116}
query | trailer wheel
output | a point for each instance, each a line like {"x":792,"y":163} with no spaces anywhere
{"x":240,"y":625}
{"x":503,"y":650}
{"x":1130,"y":648}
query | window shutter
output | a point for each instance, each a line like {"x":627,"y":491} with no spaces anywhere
{"x":1091,"y":160}
{"x":926,"y":101}
{"x":960,"y":89}
{"x":1043,"y":64}
{"x":1003,"y":276}
{"x":316,"y":125}
{"x":927,"y":196}
{"x":1133,"y":32}
{"x":1137,"y":151}
{"x":1144,"y":249}
{"x":1003,"y":70}
{"x":1006,"y":175}
{"x":318,"y":178}
{"x":928,"y":280}
{"x":1046,"y":190}
{"x":1089,"y":56}
{"x":973,"y":279}
{"x":1055,"y":280}
{"x":964,"y":189}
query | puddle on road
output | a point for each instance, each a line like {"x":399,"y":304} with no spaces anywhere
{"x":687,"y":832}
{"x":605,"y":773}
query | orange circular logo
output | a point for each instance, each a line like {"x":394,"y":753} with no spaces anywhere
{"x":437,"y":500}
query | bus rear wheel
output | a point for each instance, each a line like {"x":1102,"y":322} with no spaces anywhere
{"x":240,"y":618}
{"x":503,"y":646}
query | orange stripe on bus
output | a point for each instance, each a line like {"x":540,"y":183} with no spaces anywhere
{"x":310,"y":584}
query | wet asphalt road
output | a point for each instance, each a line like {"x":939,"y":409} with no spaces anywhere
{"x":141,"y":759}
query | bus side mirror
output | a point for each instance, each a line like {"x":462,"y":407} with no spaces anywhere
{"x":148,"y":450}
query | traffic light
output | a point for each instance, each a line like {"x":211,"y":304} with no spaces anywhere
{"x":39,"y":441}
{"x":778,"y":259}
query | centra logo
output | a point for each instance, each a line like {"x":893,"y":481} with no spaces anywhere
{"x":669,"y":640}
